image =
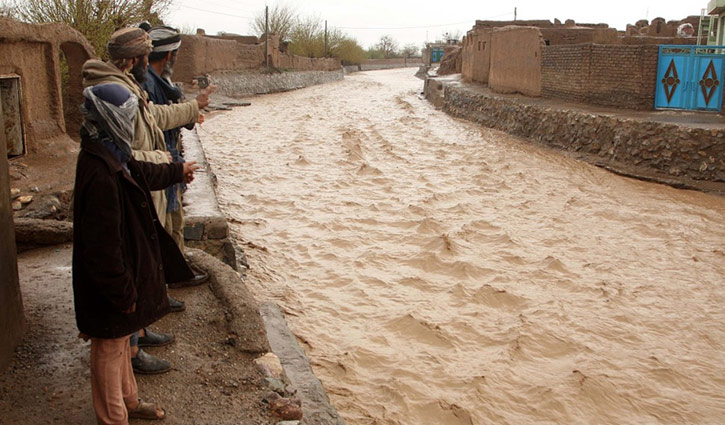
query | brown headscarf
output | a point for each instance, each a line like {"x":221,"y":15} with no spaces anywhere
{"x":128,"y":43}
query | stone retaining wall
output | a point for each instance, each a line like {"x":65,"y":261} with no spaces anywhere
{"x":632,"y":146}
{"x":236,"y":84}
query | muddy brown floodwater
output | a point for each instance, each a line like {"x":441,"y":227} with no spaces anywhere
{"x":443,"y":273}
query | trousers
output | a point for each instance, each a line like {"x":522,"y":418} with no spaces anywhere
{"x":113,"y":385}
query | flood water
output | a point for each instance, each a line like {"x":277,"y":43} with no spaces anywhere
{"x":438,"y":272}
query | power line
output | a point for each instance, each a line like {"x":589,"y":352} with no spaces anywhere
{"x":422,"y":26}
{"x":217,"y":13}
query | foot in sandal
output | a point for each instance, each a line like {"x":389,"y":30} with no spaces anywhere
{"x":149,"y":411}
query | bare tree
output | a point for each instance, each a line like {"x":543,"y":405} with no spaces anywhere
{"x":95,"y":19}
{"x":388,"y":46}
{"x":410,"y":50}
{"x":282,"y":19}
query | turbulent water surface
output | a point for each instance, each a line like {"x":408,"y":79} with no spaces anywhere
{"x":438,"y":272}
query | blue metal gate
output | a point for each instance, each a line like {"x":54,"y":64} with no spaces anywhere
{"x":437,"y":54}
{"x":690,"y":77}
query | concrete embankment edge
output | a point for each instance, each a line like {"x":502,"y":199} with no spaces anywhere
{"x":646,"y":147}
{"x":315,"y":403}
{"x":238,"y":84}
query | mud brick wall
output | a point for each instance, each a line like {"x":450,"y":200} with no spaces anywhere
{"x":33,"y":52}
{"x":516,"y":61}
{"x":579,"y":35}
{"x":634,"y":147}
{"x":606,"y":75}
{"x":201,"y":55}
{"x":299,"y":63}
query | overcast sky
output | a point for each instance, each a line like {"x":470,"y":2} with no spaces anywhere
{"x":411,"y":21}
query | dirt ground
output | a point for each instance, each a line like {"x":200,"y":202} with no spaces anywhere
{"x":48,"y":381}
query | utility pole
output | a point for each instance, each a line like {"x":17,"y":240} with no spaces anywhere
{"x":266,"y":36}
{"x":326,"y":38}
{"x":515,"y":12}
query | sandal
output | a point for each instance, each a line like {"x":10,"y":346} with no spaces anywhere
{"x":148,"y":411}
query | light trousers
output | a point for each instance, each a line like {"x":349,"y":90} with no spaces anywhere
{"x":112,"y":382}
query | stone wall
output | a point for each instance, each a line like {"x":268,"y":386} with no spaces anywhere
{"x":666,"y":151}
{"x":238,"y":84}
{"x":607,"y":75}
{"x":34,"y":52}
{"x":12,"y":321}
{"x":516,"y":61}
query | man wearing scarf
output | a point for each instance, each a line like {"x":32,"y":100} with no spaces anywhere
{"x":122,"y":256}
{"x":166,"y":42}
{"x":129,"y":49}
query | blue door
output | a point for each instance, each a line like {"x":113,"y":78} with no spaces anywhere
{"x":690,"y":77}
{"x":437,"y":54}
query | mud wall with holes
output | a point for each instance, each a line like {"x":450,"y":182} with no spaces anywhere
{"x":669,"y":153}
{"x":607,"y":75}
{"x":12,"y":321}
{"x":47,"y":59}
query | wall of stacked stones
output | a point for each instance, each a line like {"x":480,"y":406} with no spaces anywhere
{"x":607,"y":75}
{"x":621,"y":143}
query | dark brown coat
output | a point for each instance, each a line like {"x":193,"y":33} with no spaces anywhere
{"x":121,"y":254}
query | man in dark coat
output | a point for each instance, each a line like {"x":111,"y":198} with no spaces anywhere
{"x":122,"y":256}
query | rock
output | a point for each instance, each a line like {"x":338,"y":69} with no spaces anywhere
{"x":286,"y":409}
{"x":14,"y":193}
{"x":44,"y":207}
{"x":288,"y":423}
{"x":270,"y":365}
{"x":35,"y":189}
{"x":275,"y":385}
{"x":25,"y":199}
{"x":17,"y":206}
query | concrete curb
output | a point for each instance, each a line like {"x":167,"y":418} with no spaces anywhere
{"x":205,"y":226}
{"x":315,"y":403}
{"x":241,"y":308}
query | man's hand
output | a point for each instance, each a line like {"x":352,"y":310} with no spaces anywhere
{"x":203,"y":97}
{"x":189,"y":168}
{"x":200,"y":120}
{"x":131,"y":310}
{"x":168,"y":156}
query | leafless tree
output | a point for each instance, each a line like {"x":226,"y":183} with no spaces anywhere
{"x":388,"y":46}
{"x":282,"y":19}
{"x":410,"y":50}
{"x":95,"y":19}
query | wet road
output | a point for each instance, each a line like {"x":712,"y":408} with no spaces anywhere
{"x":438,"y":272}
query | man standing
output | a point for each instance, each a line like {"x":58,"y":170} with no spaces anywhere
{"x":122,"y":256}
{"x":166,"y":42}
{"x":129,"y":49}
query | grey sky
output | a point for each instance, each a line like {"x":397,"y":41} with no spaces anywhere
{"x":410,"y":21}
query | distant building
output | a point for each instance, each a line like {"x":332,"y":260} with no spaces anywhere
{"x":711,"y":31}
